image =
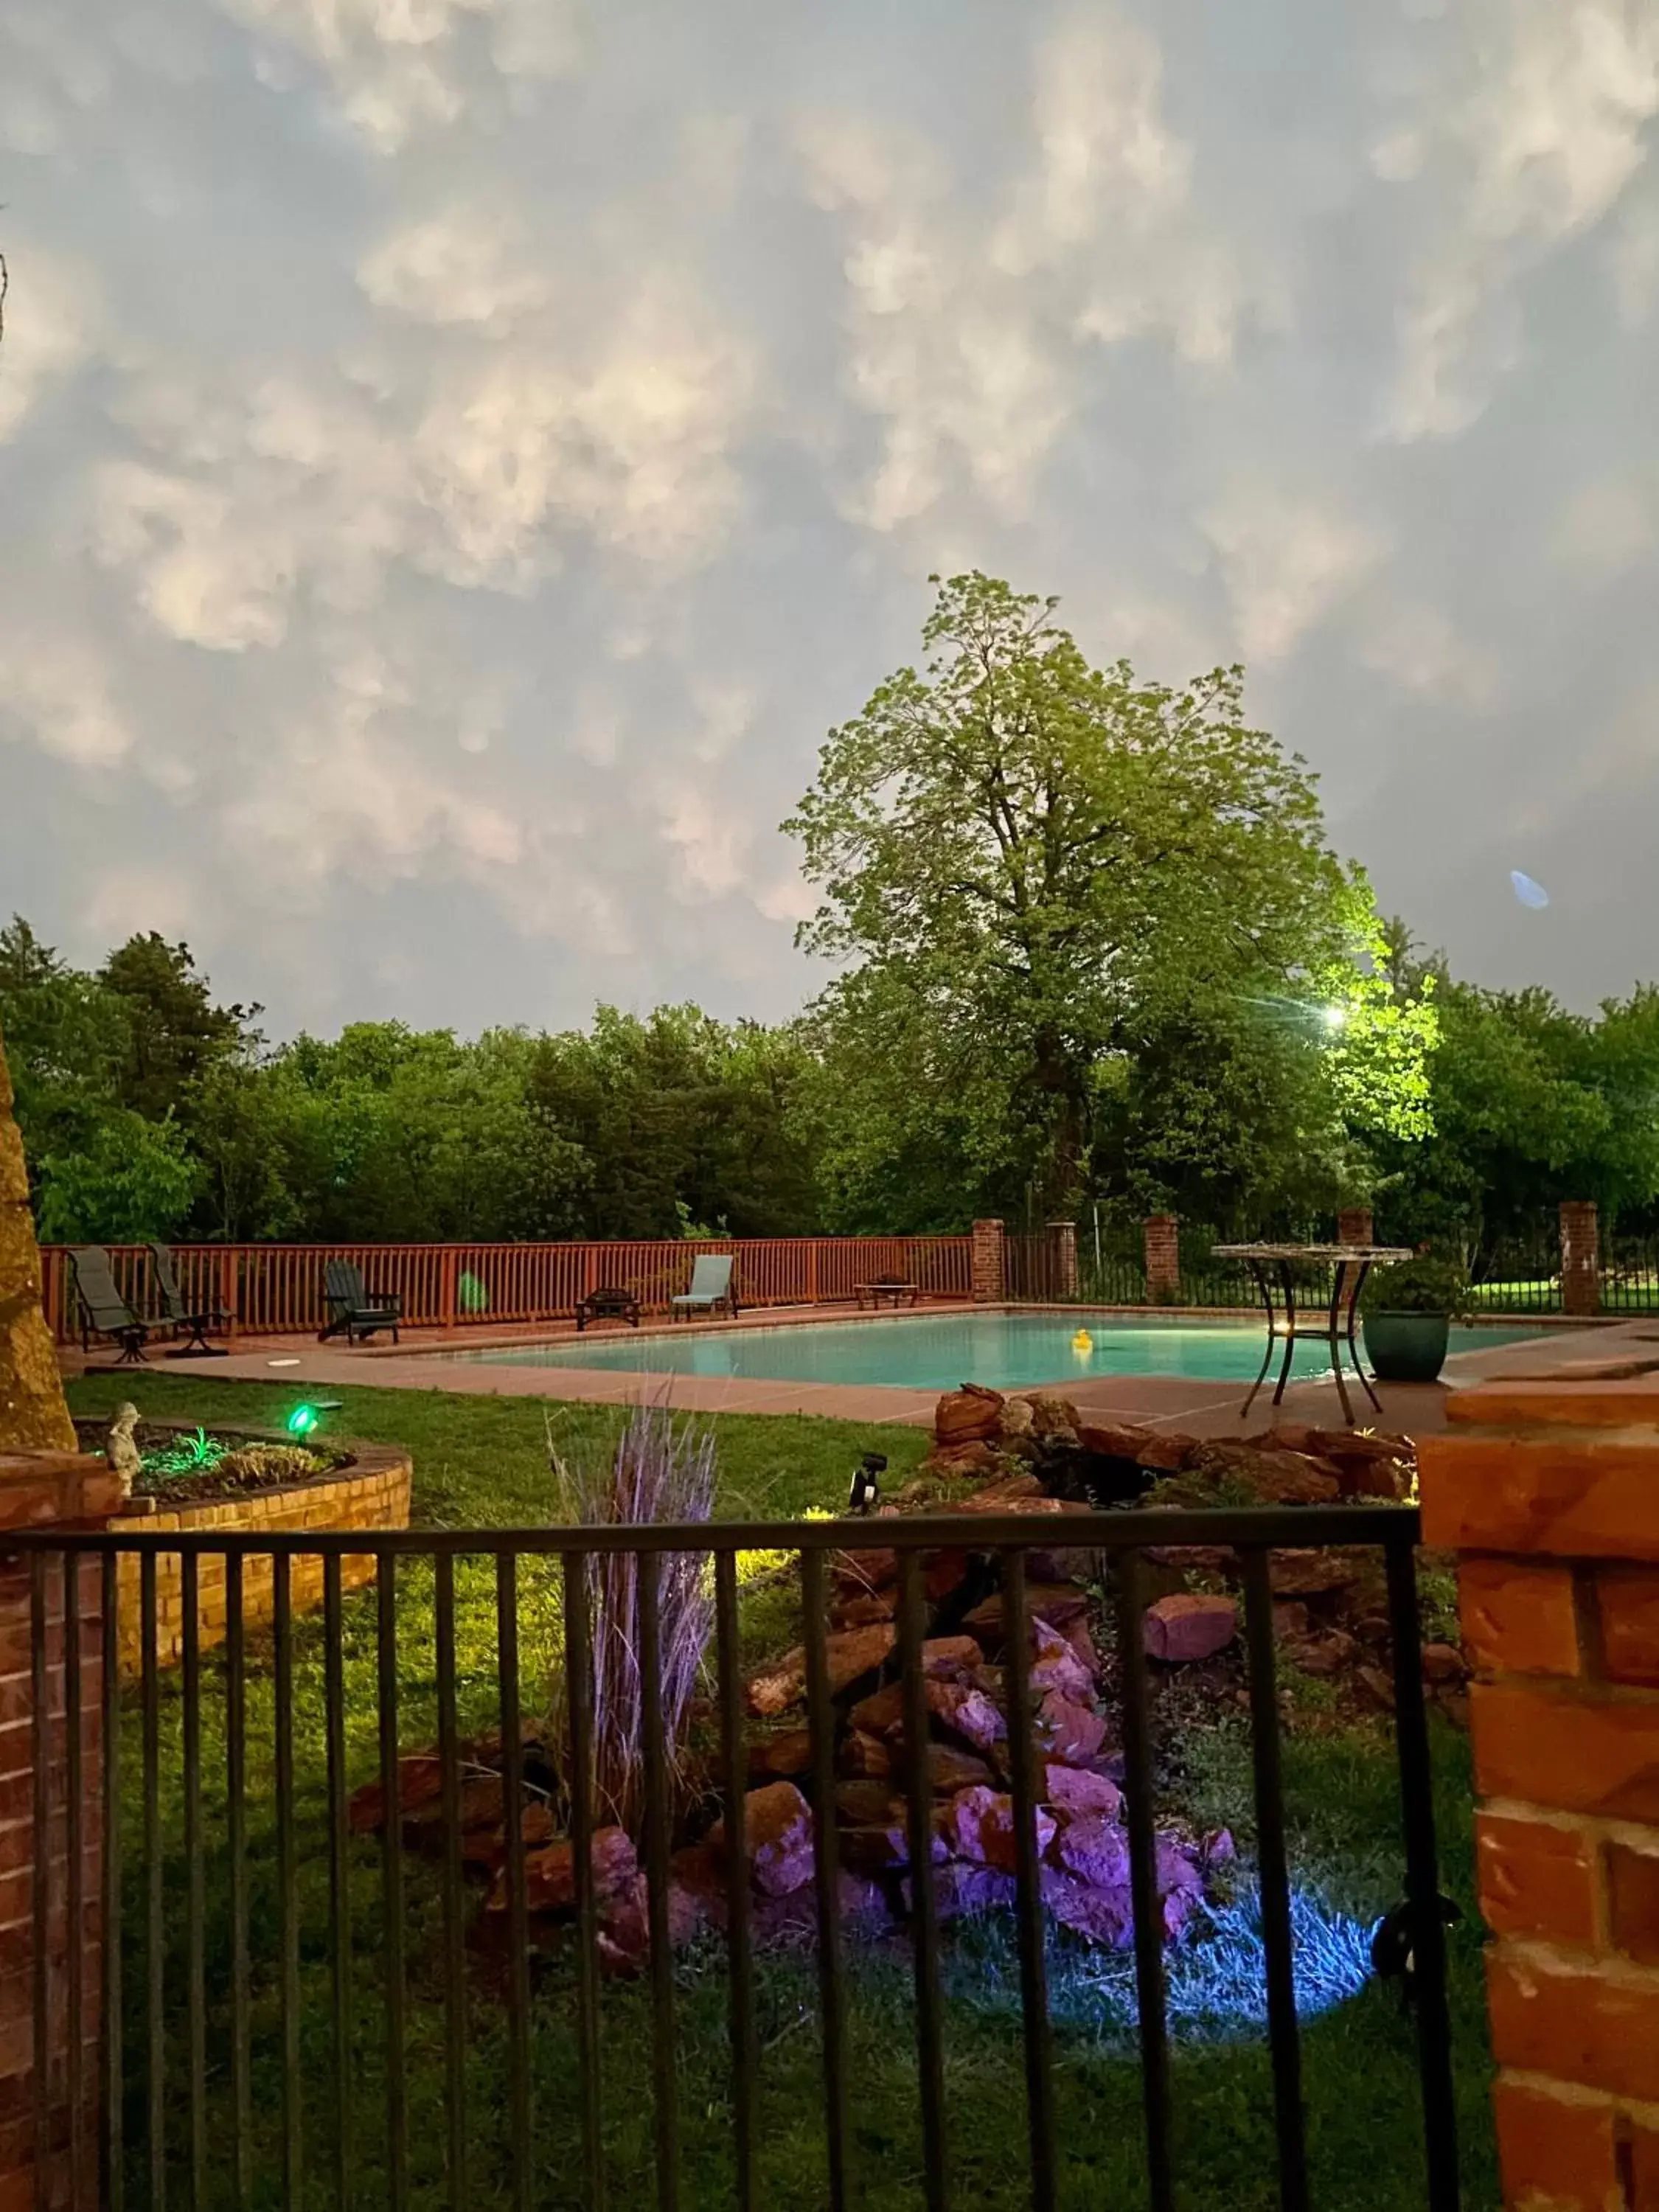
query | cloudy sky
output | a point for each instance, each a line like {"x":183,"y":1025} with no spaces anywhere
{"x":458,"y":457}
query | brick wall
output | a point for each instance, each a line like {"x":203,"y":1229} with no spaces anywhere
{"x":372,"y":1494}
{"x":1354,"y":1226}
{"x":38,"y":1491}
{"x":1162,"y":1234}
{"x":1581,"y":1257}
{"x":1063,"y":1236}
{"x":986,"y":1257}
{"x":1558,"y":1533}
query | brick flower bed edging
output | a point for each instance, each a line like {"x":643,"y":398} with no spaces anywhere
{"x":373,"y":1492}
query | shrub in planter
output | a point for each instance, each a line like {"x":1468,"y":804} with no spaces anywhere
{"x":1408,"y":1310}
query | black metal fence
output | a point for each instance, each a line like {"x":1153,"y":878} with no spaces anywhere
{"x":290,"y":2012}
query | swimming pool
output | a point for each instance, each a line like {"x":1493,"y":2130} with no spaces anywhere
{"x":1008,"y":1352}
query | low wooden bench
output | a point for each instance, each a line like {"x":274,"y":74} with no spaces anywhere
{"x":887,"y":1293}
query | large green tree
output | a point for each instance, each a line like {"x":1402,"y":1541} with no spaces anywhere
{"x":1032,"y":870}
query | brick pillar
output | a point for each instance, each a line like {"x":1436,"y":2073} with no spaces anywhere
{"x":986,"y":1263}
{"x":1163,"y":1241}
{"x":1353,"y":1225}
{"x":1062,"y":1243}
{"x":1581,"y":1257}
{"x":1557,"y":1532}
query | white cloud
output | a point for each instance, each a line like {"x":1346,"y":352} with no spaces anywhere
{"x":1419,"y":648}
{"x":464,"y":266}
{"x":56,"y":694}
{"x":1533,"y":130}
{"x":1286,"y":563}
{"x":52,"y":324}
{"x":1606,"y":527}
{"x":399,"y":67}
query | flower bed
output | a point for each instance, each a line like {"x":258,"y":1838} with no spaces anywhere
{"x":357,"y":1486}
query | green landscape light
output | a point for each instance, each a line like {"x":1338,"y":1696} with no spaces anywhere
{"x":305,"y":1419}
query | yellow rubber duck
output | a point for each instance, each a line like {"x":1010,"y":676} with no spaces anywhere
{"x":1083,"y":1341}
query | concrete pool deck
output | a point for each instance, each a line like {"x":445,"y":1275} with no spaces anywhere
{"x":1559,"y":1354}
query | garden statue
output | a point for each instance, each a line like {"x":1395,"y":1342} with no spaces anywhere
{"x":121,"y":1448}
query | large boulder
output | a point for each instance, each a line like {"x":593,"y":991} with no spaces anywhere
{"x":1272,"y":1478}
{"x":777,"y":1826}
{"x":1187,"y":1627}
{"x":979,"y":1825}
{"x":969,"y":1415}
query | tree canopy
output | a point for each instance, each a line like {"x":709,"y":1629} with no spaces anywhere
{"x":1046,"y":879}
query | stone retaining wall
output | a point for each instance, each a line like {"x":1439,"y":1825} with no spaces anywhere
{"x":373,"y":1492}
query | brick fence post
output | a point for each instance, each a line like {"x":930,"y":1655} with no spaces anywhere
{"x":1062,"y":1241}
{"x":1162,"y":1234}
{"x":40,"y":1490}
{"x":987,"y":1258}
{"x":1581,"y":1257}
{"x":1557,"y":1537}
{"x":1354,"y":1226}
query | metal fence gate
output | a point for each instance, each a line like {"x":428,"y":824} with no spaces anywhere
{"x":284,"y":2011}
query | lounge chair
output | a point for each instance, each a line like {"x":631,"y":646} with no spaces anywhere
{"x":711,"y":1287}
{"x":194,"y":1320}
{"x":352,"y":1307}
{"x":104,"y":1311}
{"x":610,"y":1302}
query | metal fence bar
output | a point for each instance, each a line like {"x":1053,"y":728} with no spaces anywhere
{"x":924,"y":1911}
{"x":1143,"y":1879}
{"x":579,"y":1697}
{"x":287,"y":1876}
{"x":196,"y":1910}
{"x":114,"y":2071}
{"x":738,"y":1962}
{"x":391,"y":1877}
{"x":826,"y":1868}
{"x":517,"y":1917}
{"x":242,"y":2105}
{"x":1028,"y":1906}
{"x":1428,"y":1935}
{"x":666,"y":2098}
{"x":1273,"y":1874}
{"x":339,"y":1891}
{"x":156,"y":2084}
{"x":455,"y":1934}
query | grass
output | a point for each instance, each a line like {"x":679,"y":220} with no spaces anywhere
{"x":482,"y":1462}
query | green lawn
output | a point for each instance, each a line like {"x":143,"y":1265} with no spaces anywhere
{"x":482,"y":1461}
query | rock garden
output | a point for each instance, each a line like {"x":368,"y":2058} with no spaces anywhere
{"x":1026,"y":1454}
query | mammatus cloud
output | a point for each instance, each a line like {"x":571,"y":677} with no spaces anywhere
{"x":459,"y":456}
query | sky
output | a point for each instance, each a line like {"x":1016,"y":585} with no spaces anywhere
{"x":458,"y":457}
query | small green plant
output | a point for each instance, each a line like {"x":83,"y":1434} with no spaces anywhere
{"x":1424,"y":1285}
{"x":188,"y":1456}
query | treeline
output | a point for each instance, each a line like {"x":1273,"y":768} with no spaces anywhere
{"x":150,"y":1108}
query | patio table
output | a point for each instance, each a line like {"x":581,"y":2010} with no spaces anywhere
{"x":1273,"y":1268}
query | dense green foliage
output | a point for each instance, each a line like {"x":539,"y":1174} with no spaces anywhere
{"x":1091,"y":951}
{"x":1084,"y":910}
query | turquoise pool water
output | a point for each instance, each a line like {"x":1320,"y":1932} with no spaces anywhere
{"x":1008,"y":1352}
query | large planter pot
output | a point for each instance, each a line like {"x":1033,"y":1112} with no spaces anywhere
{"x":1406,"y":1347}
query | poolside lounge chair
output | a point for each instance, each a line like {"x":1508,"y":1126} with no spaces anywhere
{"x":104,"y":1311}
{"x":711,"y":1287}
{"x":352,"y":1307}
{"x":194,"y":1320}
{"x":609,"y":1302}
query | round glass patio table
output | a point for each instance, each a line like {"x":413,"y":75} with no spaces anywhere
{"x":1274,"y":1269}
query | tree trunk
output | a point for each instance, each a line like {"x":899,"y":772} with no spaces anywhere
{"x":34,"y":1416}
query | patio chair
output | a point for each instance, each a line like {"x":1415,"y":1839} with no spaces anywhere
{"x":194,"y":1320}
{"x":608,"y":1302}
{"x":352,"y":1307}
{"x":711,"y":1287}
{"x":104,"y":1311}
